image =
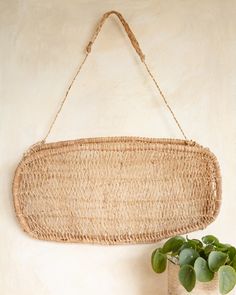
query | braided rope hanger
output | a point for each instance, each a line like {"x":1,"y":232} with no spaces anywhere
{"x":136,"y":46}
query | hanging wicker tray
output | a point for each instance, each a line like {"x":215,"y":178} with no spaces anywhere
{"x":116,"y":190}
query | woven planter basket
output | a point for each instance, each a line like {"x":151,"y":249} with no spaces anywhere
{"x":175,"y":288}
{"x":116,"y":190}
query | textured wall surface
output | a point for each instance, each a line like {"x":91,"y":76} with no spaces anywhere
{"x":190,"y":46}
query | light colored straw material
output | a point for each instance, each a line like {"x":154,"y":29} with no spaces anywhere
{"x":175,"y":288}
{"x":116,"y":190}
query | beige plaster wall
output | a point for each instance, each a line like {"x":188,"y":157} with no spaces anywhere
{"x":190,"y":45}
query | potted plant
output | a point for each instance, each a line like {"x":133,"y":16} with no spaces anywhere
{"x":201,"y":267}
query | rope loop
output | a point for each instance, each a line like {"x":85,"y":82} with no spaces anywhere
{"x":136,"y":46}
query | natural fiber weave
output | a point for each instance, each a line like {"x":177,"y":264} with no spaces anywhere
{"x":116,"y":190}
{"x":201,"y":288}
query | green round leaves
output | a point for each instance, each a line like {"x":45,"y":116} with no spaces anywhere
{"x":210,"y":240}
{"x":203,"y":273}
{"x":232,"y":253}
{"x":187,"y":277}
{"x":153,"y":253}
{"x":188,"y":256}
{"x":198,"y":261}
{"x":195,"y":243}
{"x":227,"y":279}
{"x":216,"y":259}
{"x":159,"y":261}
{"x":173,"y":244}
{"x":208,"y":249}
{"x":234,"y":263}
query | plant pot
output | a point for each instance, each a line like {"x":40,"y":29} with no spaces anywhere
{"x":175,"y":288}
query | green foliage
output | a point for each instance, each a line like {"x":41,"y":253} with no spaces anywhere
{"x":159,"y":261}
{"x":173,"y":244}
{"x":153,"y":254}
{"x":188,"y":256}
{"x":203,"y":273}
{"x":216,"y":259}
{"x":187,"y":277}
{"x":198,"y":260}
{"x":234,"y":263}
{"x":210,"y":240}
{"x":231,"y":253}
{"x":208,"y":249}
{"x":227,"y":279}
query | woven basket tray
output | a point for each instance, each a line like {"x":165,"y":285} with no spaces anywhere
{"x":116,"y":190}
